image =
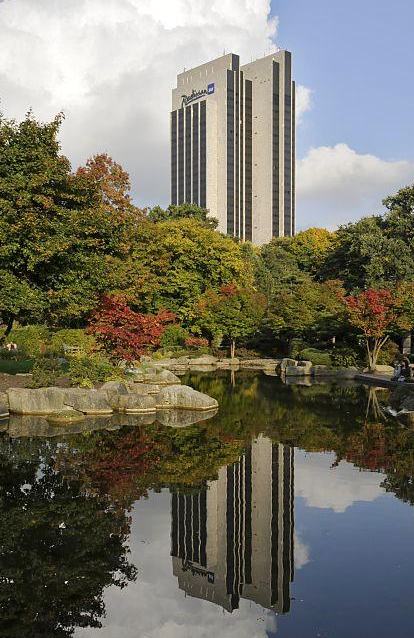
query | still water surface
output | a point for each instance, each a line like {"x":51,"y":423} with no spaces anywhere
{"x":288,"y":514}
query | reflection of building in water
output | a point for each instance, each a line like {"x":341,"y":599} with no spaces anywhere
{"x":235,"y":538}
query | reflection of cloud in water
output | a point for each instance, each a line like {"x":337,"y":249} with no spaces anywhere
{"x":333,"y":488}
{"x":154,"y":607}
{"x":301,"y":552}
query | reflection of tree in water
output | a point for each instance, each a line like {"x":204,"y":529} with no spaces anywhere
{"x":59,"y":546}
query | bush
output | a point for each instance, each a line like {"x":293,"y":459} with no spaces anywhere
{"x":173,"y":336}
{"x":86,"y":371}
{"x":389,"y":354}
{"x":46,"y":372}
{"x":196,"y":342}
{"x":318,"y":357}
{"x":344,"y":358}
{"x":73,"y":338}
{"x":296,"y":347}
{"x":16,"y":367}
{"x":31,"y":340}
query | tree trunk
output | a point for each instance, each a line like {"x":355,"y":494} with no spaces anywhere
{"x":232,"y":348}
{"x":374,"y":351}
{"x":9,"y":327}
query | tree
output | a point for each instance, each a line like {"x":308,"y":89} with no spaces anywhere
{"x":379,"y":312}
{"x":61,"y":234}
{"x":174,"y":262}
{"x":376,"y":250}
{"x":309,"y":310}
{"x":124,"y":333}
{"x":311,"y":248}
{"x":182,"y":211}
{"x":233,"y":312}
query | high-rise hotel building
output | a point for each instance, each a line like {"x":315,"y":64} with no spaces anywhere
{"x":234,"y":539}
{"x":233,"y":144}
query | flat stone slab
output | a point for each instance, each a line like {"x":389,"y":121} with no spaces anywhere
{"x":185,"y":398}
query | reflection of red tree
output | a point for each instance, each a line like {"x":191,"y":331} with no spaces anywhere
{"x":368,"y":448}
{"x":117,"y":464}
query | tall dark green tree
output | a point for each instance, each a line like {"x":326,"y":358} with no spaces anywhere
{"x":59,"y":236}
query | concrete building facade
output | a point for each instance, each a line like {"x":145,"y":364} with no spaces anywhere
{"x":235,"y":538}
{"x":233,"y":144}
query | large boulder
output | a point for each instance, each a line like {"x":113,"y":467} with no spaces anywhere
{"x":35,"y":401}
{"x":136,"y":403}
{"x":204,"y":360}
{"x":87,"y":401}
{"x":287,"y":363}
{"x":160,"y":377}
{"x":260,"y":364}
{"x":297,"y":371}
{"x":185,"y":398}
{"x":382,"y":369}
{"x":114,"y":390}
{"x":228,"y":363}
{"x":143,"y":388}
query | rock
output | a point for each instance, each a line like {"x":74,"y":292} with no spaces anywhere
{"x":228,"y":363}
{"x":185,"y":398}
{"x":297,"y":371}
{"x":143,"y":388}
{"x":136,"y":403}
{"x":260,"y":364}
{"x":65,"y":417}
{"x":4,"y":405}
{"x":337,"y":373}
{"x":114,"y":390}
{"x":159,"y":377}
{"x":322,"y":371}
{"x":204,"y":360}
{"x":384,"y":370}
{"x":305,"y":364}
{"x":87,"y":401}
{"x":287,"y":363}
{"x":35,"y":401}
{"x":183,"y":418}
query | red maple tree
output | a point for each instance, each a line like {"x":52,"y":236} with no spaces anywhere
{"x":376,"y":313}
{"x":124,"y":333}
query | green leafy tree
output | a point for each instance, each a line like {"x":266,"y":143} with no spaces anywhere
{"x":61,"y":234}
{"x":182,"y":211}
{"x":232,"y":312}
{"x":173,"y":263}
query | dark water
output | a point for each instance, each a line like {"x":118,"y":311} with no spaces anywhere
{"x":289,"y":513}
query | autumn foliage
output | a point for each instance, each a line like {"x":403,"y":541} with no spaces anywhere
{"x":124,"y":333}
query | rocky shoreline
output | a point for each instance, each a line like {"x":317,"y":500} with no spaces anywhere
{"x":151,"y":390}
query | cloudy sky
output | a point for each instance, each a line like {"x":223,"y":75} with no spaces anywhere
{"x":110,"y":66}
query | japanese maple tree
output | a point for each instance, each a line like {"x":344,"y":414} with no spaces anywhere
{"x":125,"y":333}
{"x":377,"y":313}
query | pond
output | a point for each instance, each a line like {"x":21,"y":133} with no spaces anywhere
{"x":288,"y":514}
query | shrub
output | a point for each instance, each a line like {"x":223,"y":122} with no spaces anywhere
{"x":87,"y":370}
{"x":174,"y":335}
{"x":46,"y":372}
{"x":73,"y":338}
{"x":344,"y":357}
{"x":31,"y":340}
{"x":318,"y":357}
{"x":389,"y":353}
{"x":196,"y":342}
{"x":296,"y":347}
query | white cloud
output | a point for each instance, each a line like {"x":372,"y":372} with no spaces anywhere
{"x":336,"y":184}
{"x":110,"y":65}
{"x":301,"y":552}
{"x":303,"y":102}
{"x":333,"y":488}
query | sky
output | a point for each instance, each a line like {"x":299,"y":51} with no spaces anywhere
{"x":110,"y":66}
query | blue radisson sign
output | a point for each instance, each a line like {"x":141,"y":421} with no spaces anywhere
{"x":196,"y":95}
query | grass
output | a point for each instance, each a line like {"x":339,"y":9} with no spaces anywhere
{"x":16,"y":367}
